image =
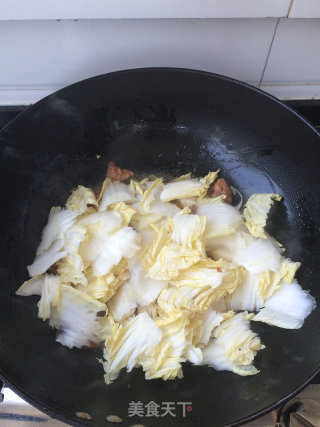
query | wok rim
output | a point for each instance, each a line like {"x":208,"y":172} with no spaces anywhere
{"x":172,"y":69}
{"x":251,"y":417}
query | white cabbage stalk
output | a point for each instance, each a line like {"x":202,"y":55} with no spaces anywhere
{"x":31,"y":287}
{"x":186,"y":187}
{"x":70,"y":268}
{"x":287,"y":308}
{"x":108,"y":221}
{"x":99,"y":226}
{"x":164,"y":209}
{"x":77,"y":318}
{"x":194,"y":355}
{"x":222,"y":219}
{"x":50,"y":296}
{"x":181,"y":190}
{"x":45,"y":260}
{"x":256,"y":212}
{"x":138,"y":291}
{"x":233,"y":347}
{"x":203,"y":326}
{"x":211,"y":320}
{"x":229,"y":247}
{"x":73,"y":237}
{"x":187,"y":229}
{"x":115,"y":192}
{"x":132,"y":341}
{"x":140,"y":220}
{"x":261,"y":255}
{"x":214,"y":355}
{"x":245,"y":297}
{"x":59,"y":222}
{"x":123,"y":243}
{"x":80,"y":198}
{"x":68,"y":243}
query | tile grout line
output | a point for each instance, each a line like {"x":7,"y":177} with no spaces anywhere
{"x":289,"y":9}
{"x":269,"y":51}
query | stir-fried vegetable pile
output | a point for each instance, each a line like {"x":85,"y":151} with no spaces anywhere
{"x":161,"y":273}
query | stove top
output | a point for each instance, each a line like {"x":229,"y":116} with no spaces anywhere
{"x":303,"y":410}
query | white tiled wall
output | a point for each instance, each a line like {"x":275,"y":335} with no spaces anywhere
{"x":295,"y":53}
{"x":124,"y":9}
{"x":37,"y":57}
{"x":305,"y":9}
{"x":293,"y":67}
{"x":68,"y":51}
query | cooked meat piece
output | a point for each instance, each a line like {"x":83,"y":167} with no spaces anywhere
{"x":54,"y":269}
{"x":118,"y":174}
{"x":91,"y":345}
{"x":194,"y":209}
{"x":220,"y":187}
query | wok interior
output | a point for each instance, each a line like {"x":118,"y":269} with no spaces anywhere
{"x":163,"y":122}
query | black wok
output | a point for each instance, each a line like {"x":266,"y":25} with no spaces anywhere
{"x":163,"y":121}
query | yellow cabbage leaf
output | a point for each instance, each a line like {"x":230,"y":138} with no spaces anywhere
{"x":114,"y":192}
{"x":131,"y":342}
{"x":256,"y":212}
{"x":126,"y":212}
{"x":178,"y":244}
{"x":80,"y":199}
{"x":149,"y":194}
{"x":173,"y":349}
{"x":103,"y":288}
{"x":233,"y":346}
